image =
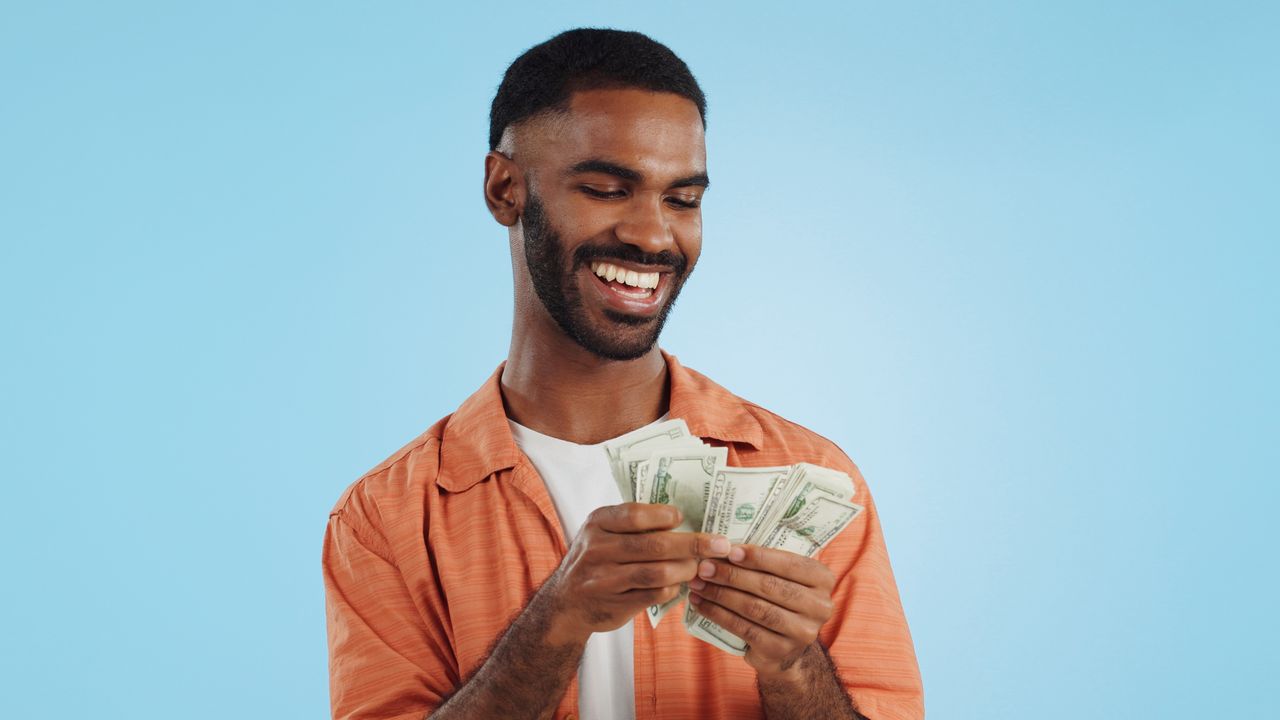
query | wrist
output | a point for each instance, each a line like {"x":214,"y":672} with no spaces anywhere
{"x":562,"y":631}
{"x":557,"y":620}
{"x":794,"y":675}
{"x":776,"y":677}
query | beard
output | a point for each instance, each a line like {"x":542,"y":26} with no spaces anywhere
{"x":619,"y":336}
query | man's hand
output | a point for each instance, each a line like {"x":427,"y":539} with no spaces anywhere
{"x":622,"y":561}
{"x":774,"y":599}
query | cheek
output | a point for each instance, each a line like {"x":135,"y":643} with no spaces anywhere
{"x":579,"y":217}
{"x":688,"y":237}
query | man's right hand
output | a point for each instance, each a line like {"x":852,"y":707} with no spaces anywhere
{"x":623,"y":560}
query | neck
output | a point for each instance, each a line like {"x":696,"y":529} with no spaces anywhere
{"x":552,"y":385}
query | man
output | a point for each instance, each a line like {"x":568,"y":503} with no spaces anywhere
{"x":490,"y":569}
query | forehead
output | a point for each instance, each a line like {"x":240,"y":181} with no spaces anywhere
{"x":659,"y":134}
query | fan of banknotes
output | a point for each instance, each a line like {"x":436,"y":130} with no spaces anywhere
{"x":796,"y":507}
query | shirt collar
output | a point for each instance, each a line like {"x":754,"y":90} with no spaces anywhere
{"x":477,"y":441}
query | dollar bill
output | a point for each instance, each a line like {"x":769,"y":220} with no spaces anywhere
{"x":806,"y":531}
{"x":667,"y":432}
{"x":630,"y":459}
{"x":739,"y":496}
{"x":798,"y":508}
{"x":738,"y":499}
{"x":680,"y":477}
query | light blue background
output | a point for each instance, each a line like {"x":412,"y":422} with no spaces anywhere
{"x":1018,"y":260}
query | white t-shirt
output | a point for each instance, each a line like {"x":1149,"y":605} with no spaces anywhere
{"x":579,"y":480}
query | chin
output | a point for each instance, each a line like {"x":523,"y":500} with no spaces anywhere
{"x":625,"y":340}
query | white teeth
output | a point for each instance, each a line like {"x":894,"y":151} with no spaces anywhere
{"x":610,"y":272}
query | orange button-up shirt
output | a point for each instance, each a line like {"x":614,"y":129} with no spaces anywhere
{"x":429,"y":556}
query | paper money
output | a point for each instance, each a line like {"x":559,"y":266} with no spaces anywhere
{"x":800,"y":511}
{"x":666,"y":433}
{"x":744,"y":494}
{"x":681,"y":477}
{"x":798,"y":508}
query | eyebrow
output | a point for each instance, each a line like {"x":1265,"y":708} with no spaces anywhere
{"x":626,"y":173}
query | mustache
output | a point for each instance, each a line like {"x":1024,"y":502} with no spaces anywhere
{"x":586,"y":254}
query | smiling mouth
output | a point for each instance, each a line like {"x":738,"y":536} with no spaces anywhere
{"x":628,"y":283}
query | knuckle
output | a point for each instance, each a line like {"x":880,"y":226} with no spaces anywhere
{"x":826,"y":608}
{"x":826,"y":578}
{"x":727,"y":572}
{"x":642,"y":545}
{"x":644,"y":577}
{"x":797,"y":564}
{"x":600,"y":515}
{"x":767,"y":614}
{"x":652,"y":546}
{"x":771,"y":585}
{"x":777,"y":587}
{"x":772,"y":617}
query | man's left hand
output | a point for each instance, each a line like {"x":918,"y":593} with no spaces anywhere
{"x":775,"y":600}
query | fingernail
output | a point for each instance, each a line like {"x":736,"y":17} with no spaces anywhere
{"x":697,"y":583}
{"x":707,"y":569}
{"x":737,"y":554}
{"x":720,"y":546}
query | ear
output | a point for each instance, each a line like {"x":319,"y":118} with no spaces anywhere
{"x":504,"y":189}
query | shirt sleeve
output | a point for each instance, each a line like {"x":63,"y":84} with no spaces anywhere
{"x":867,"y":637}
{"x":388,"y":660}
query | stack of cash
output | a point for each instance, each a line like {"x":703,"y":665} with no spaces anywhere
{"x":797,"y":507}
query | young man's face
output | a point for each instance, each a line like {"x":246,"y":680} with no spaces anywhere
{"x":614,"y":189}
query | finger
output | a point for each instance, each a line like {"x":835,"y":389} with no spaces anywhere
{"x":650,"y":546}
{"x":760,"y":611}
{"x":634,"y":517}
{"x":789,"y":594}
{"x":784,"y":564}
{"x":760,"y":639}
{"x":650,"y":596}
{"x":648,"y":575}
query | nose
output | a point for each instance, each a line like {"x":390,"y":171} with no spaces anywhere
{"x":645,"y":225}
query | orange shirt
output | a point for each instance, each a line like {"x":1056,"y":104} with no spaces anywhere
{"x":430,"y":555}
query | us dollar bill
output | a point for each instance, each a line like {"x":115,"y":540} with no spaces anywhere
{"x":800,"y":509}
{"x":668,"y":432}
{"x":812,"y":526}
{"x":739,"y":496}
{"x":680,"y":477}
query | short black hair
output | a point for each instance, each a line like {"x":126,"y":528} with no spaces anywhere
{"x":546,"y":74}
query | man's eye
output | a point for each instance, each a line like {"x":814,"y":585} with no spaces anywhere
{"x":684,"y":203}
{"x":604,"y":194}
